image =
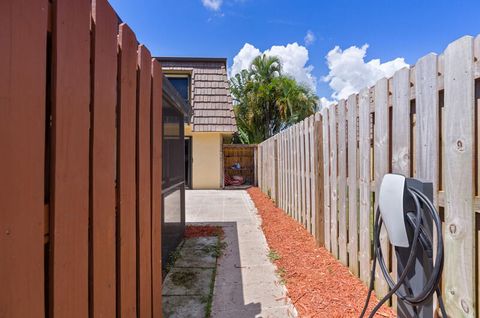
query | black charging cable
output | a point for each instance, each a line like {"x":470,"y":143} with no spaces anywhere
{"x":420,"y":236}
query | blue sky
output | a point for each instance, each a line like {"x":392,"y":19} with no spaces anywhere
{"x":216,"y":28}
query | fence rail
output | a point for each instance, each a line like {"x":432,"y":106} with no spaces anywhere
{"x":80,"y":170}
{"x":424,"y":123}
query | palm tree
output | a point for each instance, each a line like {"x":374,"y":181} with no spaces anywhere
{"x":265,"y":68}
{"x":266,"y":101}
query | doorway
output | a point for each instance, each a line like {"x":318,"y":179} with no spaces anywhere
{"x":188,"y":162}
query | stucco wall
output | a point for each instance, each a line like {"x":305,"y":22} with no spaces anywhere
{"x":207,"y":160}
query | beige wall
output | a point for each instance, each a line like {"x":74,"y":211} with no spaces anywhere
{"x":207,"y":159}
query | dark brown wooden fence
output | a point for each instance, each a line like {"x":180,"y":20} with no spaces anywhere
{"x":80,"y":163}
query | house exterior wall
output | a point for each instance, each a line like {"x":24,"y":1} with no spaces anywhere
{"x":207,"y":159}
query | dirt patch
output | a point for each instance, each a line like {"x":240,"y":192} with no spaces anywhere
{"x":318,"y":284}
{"x":185,"y":278}
{"x":201,"y":231}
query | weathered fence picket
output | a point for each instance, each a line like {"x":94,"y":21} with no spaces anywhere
{"x":333,"y":181}
{"x":365,"y":178}
{"x":326,"y":175}
{"x":342,"y":182}
{"x":459,"y":128}
{"x":352,"y":185}
{"x":381,"y":164}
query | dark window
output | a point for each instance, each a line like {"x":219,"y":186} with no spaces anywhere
{"x":182,"y":85}
{"x":173,"y":146}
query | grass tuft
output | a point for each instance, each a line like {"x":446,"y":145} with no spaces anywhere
{"x":282,"y":273}
{"x":273,"y":255}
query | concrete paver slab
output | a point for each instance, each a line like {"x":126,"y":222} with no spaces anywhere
{"x":183,"y":307}
{"x":191,"y":257}
{"x":187,"y":281}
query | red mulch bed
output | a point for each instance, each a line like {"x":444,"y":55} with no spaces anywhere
{"x":200,"y":231}
{"x":318,"y":284}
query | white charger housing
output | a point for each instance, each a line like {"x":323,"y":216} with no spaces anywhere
{"x":391,"y":198}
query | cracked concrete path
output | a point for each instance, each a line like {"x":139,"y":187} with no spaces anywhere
{"x":246,"y":285}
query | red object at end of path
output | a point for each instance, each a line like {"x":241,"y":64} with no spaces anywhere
{"x":318,"y":284}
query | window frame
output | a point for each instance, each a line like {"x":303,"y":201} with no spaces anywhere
{"x":183,"y":75}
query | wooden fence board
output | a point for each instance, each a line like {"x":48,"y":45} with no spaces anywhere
{"x":268,"y":167}
{"x":103,"y":161}
{"x":458,"y":173}
{"x":401,"y":122}
{"x":313,"y":174}
{"x":427,"y":120}
{"x":280,"y":170}
{"x":301,"y":137}
{"x":285,"y":171}
{"x":306,"y":127}
{"x":23,"y":30}
{"x":275,"y":168}
{"x":293,"y":178}
{"x":156,"y":184}
{"x":427,"y":125}
{"x":288,"y":154}
{"x":127,"y":221}
{"x":326,"y":175}
{"x":296,"y":155}
{"x":290,"y":170}
{"x":259,"y":165}
{"x":364,"y":184}
{"x":144,"y":209}
{"x":70,"y":145}
{"x":400,"y":134}
{"x":333,"y":181}
{"x":352,"y":185}
{"x":318,"y":179}
{"x":381,"y":159}
{"x":299,"y":173}
{"x":342,"y":183}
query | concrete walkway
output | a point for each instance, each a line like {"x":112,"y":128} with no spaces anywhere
{"x":246,"y":285}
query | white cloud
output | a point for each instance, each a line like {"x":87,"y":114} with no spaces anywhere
{"x":309,"y":38}
{"x":244,"y":58}
{"x":349,"y":72}
{"x":212,"y":4}
{"x":294,"y":59}
{"x":325,"y":102}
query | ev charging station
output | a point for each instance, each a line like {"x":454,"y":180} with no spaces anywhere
{"x":406,"y":210}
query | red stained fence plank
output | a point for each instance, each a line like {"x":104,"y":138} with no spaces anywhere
{"x":156,"y":112}
{"x":126,"y":226}
{"x":144,"y":216}
{"x":70,"y":145}
{"x":23,"y":30}
{"x":103,"y":163}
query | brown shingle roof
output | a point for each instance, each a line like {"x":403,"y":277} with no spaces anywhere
{"x":210,"y":93}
